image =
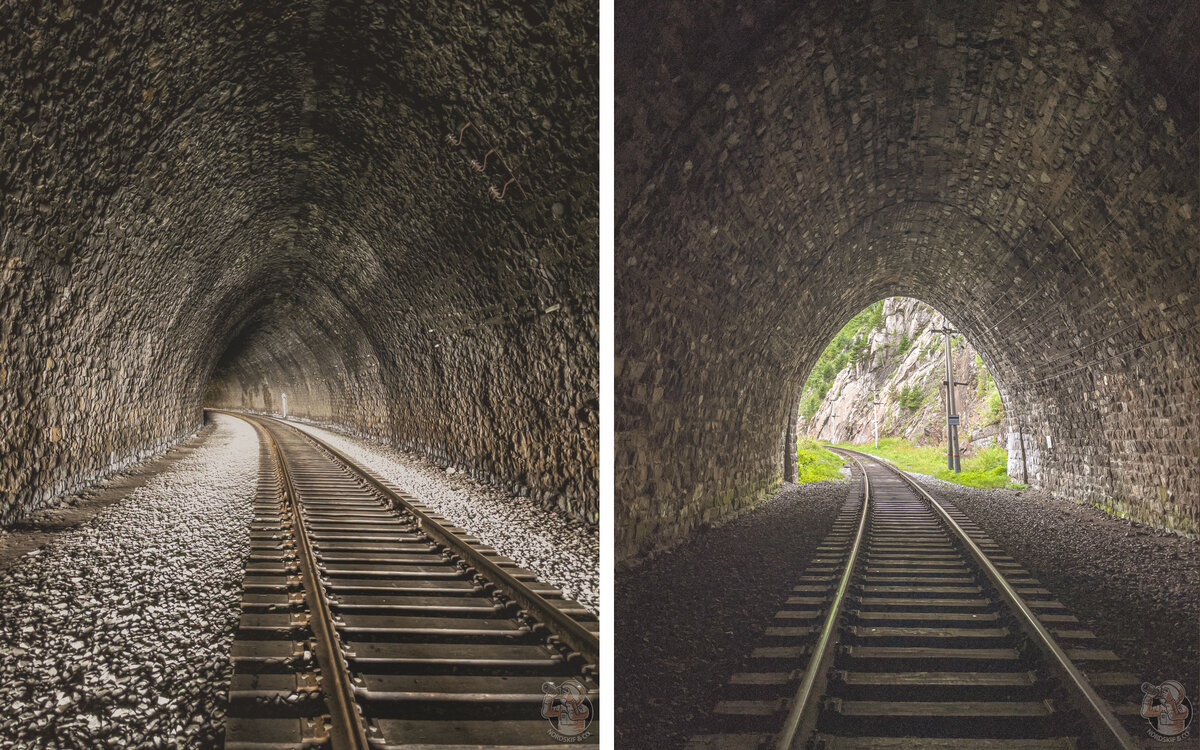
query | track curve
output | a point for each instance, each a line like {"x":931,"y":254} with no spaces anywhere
{"x":910,"y":628}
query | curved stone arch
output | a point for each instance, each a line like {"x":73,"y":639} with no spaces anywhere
{"x":972,"y":309}
{"x":189,"y":171}
{"x":1061,"y":207}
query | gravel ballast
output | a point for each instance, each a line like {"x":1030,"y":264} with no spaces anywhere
{"x":116,"y":633}
{"x":563,"y":552}
{"x":1136,"y":587}
{"x":43,"y":525}
{"x":686,"y":618}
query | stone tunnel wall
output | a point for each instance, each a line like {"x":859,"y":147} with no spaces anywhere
{"x":1027,"y":168}
{"x":507,"y":405}
{"x":283,"y":194}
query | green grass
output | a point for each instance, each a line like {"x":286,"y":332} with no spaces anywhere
{"x":814,"y":463}
{"x":987,"y":468}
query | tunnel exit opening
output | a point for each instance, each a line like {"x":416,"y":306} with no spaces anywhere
{"x":880,"y":385}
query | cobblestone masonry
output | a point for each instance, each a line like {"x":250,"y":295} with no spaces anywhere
{"x":279,"y":197}
{"x":1028,"y":168}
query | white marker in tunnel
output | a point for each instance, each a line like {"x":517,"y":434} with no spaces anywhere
{"x":283,"y":399}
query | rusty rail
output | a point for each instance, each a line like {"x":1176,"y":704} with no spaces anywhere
{"x":1106,"y":727}
{"x":580,"y":639}
{"x":346,"y":731}
{"x":803,"y":712}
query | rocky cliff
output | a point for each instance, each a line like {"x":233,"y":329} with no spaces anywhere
{"x":892,"y":352}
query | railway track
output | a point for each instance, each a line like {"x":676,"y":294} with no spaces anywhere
{"x":911,"y":629}
{"x":368,"y":621}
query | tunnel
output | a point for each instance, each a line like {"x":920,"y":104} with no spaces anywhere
{"x":1027,"y":168}
{"x":385,"y":214}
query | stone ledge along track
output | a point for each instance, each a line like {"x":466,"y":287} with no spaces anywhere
{"x":911,"y":629}
{"x":370,"y":621}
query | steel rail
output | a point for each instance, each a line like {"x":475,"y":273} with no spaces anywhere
{"x":1106,"y":728}
{"x":803,"y":710}
{"x":346,"y":731}
{"x":574,"y":635}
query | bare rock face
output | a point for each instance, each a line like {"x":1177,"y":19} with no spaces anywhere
{"x":905,"y":372}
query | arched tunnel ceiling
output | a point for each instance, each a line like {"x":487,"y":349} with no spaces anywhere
{"x":294,"y":179}
{"x":1027,"y":168}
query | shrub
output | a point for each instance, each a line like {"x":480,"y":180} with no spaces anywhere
{"x":995,"y":411}
{"x":848,"y":345}
{"x":810,"y":404}
{"x":860,"y":350}
{"x":814,"y":463}
{"x":875,"y":321}
{"x":910,"y":397}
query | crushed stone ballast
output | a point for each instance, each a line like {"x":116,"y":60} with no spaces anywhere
{"x":911,"y":628}
{"x":117,"y":633}
{"x":562,"y":551}
{"x":370,"y":620}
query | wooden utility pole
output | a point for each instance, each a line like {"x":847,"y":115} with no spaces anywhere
{"x":875,"y":411}
{"x":953,"y":461}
